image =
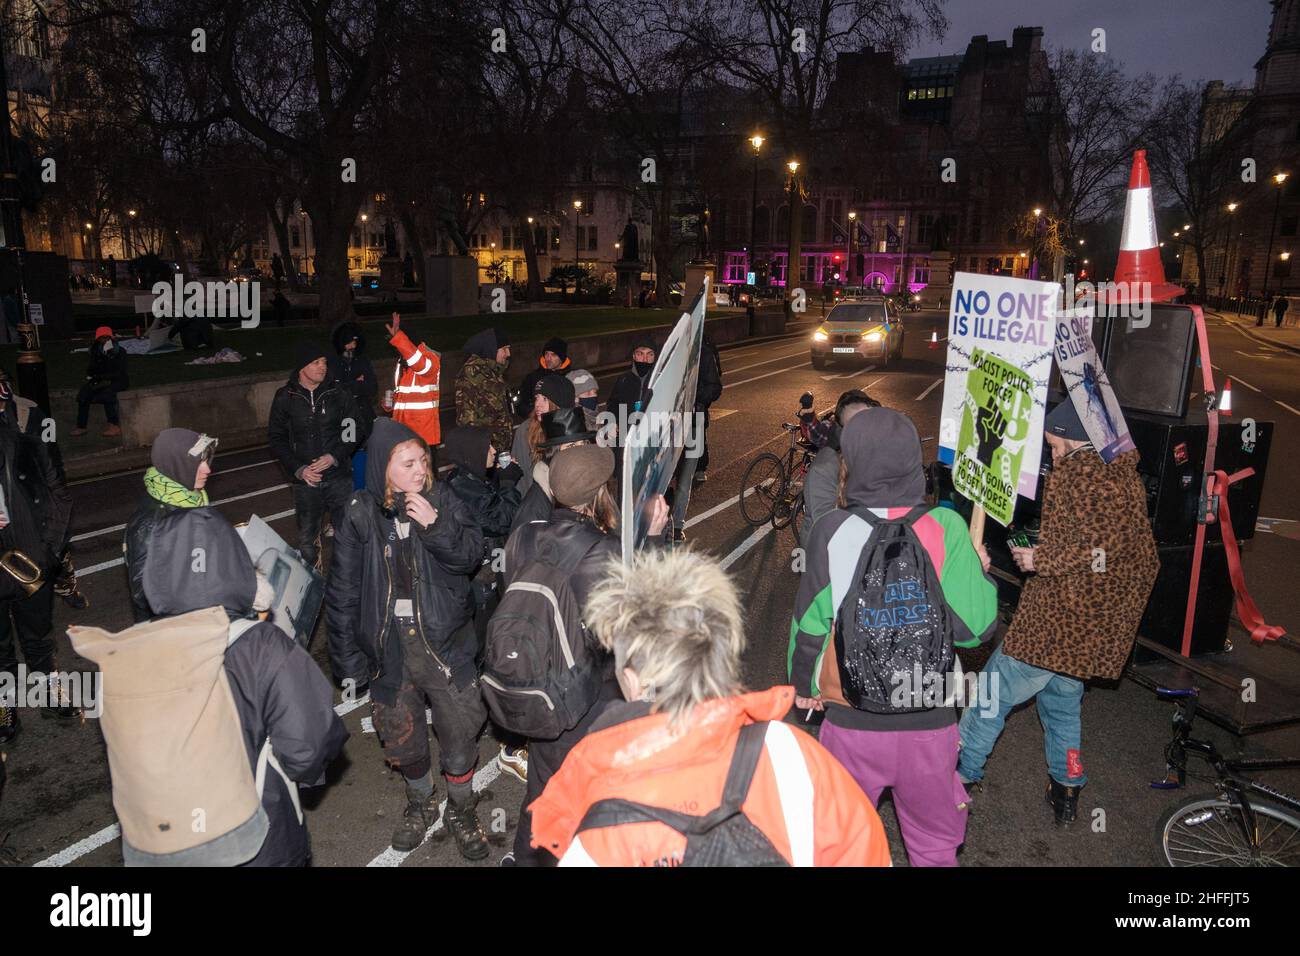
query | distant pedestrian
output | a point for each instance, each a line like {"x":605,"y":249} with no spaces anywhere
{"x":1073,"y":623}
{"x":313,"y":431}
{"x":480,"y":388}
{"x":277,"y":270}
{"x":106,"y":376}
{"x":1280,"y":305}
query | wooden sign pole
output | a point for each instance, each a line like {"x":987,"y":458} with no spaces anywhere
{"x":977,"y":526}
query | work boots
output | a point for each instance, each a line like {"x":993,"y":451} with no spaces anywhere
{"x":1064,"y":801}
{"x":10,"y":725}
{"x":60,"y":703}
{"x":420,"y":814}
{"x":462,"y":821}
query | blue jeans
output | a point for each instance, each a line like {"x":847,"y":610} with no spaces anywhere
{"x":1059,"y":698}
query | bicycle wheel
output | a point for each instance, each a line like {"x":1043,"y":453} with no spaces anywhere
{"x":787,"y":505}
{"x":796,"y":519}
{"x":759,"y":488}
{"x":1203,"y":830}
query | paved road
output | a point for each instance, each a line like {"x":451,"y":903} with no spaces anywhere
{"x":58,"y":806}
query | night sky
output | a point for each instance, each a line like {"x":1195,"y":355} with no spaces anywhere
{"x":1201,"y":39}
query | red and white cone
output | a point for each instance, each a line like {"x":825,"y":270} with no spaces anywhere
{"x":1225,"y":399}
{"x":1139,"y":273}
{"x":934,"y":340}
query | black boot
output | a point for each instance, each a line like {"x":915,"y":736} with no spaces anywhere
{"x":10,"y":725}
{"x":60,"y":705}
{"x":1064,"y":801}
{"x":420,"y":814}
{"x":462,"y":821}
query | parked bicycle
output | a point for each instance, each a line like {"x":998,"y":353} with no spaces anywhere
{"x":771,"y":489}
{"x":1243,"y":823}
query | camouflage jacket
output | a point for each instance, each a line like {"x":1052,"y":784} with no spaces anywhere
{"x":481,"y":399}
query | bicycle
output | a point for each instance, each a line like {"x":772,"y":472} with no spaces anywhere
{"x":771,"y":489}
{"x":1244,"y":823}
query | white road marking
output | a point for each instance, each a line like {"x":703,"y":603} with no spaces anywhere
{"x":224,"y":501}
{"x":745,"y":545}
{"x":343,"y":708}
{"x":716,"y":413}
{"x":1252,"y":355}
{"x":853,"y":374}
{"x":82,"y":847}
{"x":489,"y":772}
{"x":933,"y":385}
{"x":1247,"y":384}
{"x":116,"y":562}
{"x":1293,"y":411}
{"x":767,"y":375}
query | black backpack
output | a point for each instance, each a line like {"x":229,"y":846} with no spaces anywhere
{"x":725,"y":837}
{"x":893,"y":632}
{"x":540,"y":672}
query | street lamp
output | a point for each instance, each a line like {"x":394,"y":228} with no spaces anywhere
{"x":792,"y":270}
{"x":1038,"y":211}
{"x":755,"y":141}
{"x":1278,"y":180}
{"x":1225,"y":277}
{"x":577,"y":211}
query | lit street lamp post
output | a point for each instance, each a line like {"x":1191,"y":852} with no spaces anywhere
{"x":848,"y":262}
{"x":1278,"y":180}
{"x":757,"y":142}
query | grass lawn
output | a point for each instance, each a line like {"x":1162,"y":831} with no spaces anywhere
{"x":269,"y":349}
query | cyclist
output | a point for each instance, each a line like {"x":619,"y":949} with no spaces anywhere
{"x":821,"y":486}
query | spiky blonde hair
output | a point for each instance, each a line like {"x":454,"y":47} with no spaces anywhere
{"x":675,"y":619}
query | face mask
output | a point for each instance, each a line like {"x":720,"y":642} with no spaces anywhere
{"x":643,"y":368}
{"x":588,"y":403}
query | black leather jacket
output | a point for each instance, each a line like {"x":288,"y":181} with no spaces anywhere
{"x":358,"y":598}
{"x":36,"y":499}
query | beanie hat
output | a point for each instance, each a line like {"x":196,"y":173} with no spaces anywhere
{"x":557,"y":388}
{"x":558,"y":346}
{"x":578,"y":473}
{"x":502,"y":339}
{"x":1063,"y":420}
{"x":305,"y":353}
{"x":583,"y":381}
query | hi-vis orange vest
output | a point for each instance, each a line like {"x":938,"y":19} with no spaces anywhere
{"x":415,"y":388}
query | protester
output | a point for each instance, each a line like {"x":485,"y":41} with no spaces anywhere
{"x":314,"y":430}
{"x":400,"y":615}
{"x":1280,"y":305}
{"x":352,"y":371}
{"x":197,"y":683}
{"x":415,"y":386}
{"x":481,"y":387}
{"x":692,"y":467}
{"x":890,"y":587}
{"x":821,"y":486}
{"x":582,"y":532}
{"x":105,"y":378}
{"x":35,"y":513}
{"x":555,"y":359}
{"x":631,"y":390}
{"x":1076,"y":620}
{"x":584,"y":393}
{"x":32,"y":421}
{"x":177,"y":478}
{"x":673,"y":624}
{"x":561,"y":429}
{"x":551,"y":393}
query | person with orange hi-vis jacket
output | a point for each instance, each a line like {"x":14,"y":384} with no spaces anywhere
{"x":415,"y":385}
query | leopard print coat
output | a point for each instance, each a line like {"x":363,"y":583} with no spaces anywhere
{"x":1096,"y":562}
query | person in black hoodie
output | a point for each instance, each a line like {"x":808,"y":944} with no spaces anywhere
{"x":631,"y":390}
{"x":105,"y":377}
{"x":585,"y":522}
{"x":353,"y":371}
{"x":314,"y":429}
{"x":35,"y":509}
{"x":280,"y":693}
{"x":400,"y":615}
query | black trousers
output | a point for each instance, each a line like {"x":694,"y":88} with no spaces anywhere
{"x":89,"y":395}
{"x":310,"y":504}
{"x":31,"y":619}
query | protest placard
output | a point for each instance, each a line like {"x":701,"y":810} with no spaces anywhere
{"x":1001,"y":334}
{"x":1088,"y":386}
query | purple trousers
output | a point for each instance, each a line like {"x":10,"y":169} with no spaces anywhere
{"x":920,"y":768}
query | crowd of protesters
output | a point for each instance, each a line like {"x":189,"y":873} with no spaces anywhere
{"x":485,"y":584}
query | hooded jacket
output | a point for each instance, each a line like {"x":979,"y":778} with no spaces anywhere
{"x":801,"y":798}
{"x":416,"y":381}
{"x":884,"y":480}
{"x":528,"y":388}
{"x":307,"y":424}
{"x":492,"y":500}
{"x":358,"y":609}
{"x":631,"y":391}
{"x":480,"y":388}
{"x":172,"y":462}
{"x":1072,"y":618}
{"x":355,"y":373}
{"x":278,"y":692}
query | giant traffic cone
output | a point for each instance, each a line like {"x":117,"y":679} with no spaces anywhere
{"x":1139,"y":250}
{"x":1225,"y":400}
